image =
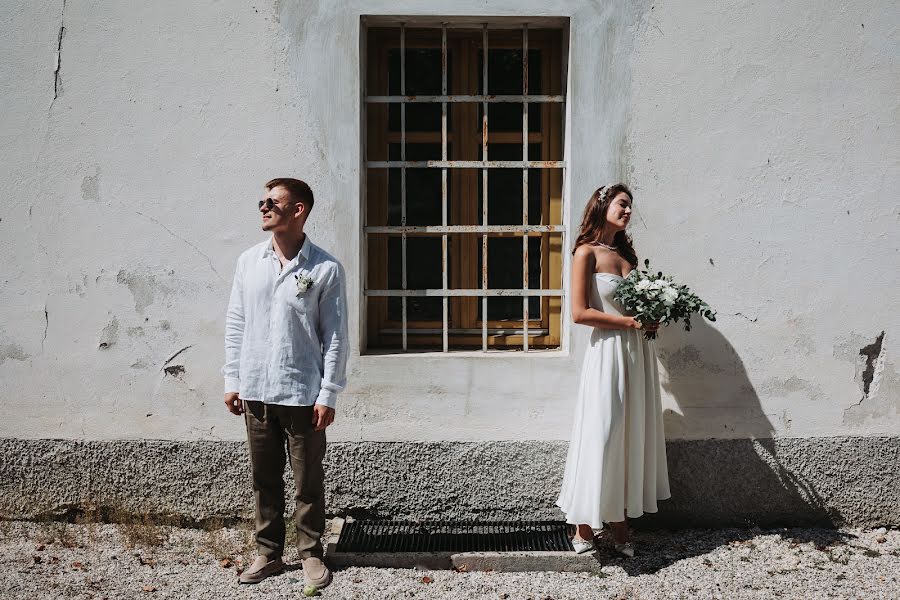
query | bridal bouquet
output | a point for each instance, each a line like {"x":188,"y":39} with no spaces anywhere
{"x":655,"y":298}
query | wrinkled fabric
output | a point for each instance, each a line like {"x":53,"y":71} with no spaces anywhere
{"x":282,"y":345}
{"x":616,"y":463}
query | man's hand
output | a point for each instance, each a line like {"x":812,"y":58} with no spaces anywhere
{"x":234,"y":404}
{"x":322,"y":416}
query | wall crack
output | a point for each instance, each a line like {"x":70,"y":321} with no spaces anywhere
{"x":178,"y":237}
{"x":57,"y":79}
{"x":46,"y":326}
{"x":171,"y":358}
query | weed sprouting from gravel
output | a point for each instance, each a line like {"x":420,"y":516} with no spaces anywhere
{"x":142,"y":532}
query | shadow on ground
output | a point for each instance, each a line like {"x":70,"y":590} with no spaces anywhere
{"x":656,"y":550}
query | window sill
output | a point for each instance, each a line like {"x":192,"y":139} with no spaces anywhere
{"x":490,"y":354}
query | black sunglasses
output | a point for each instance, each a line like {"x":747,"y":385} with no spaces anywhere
{"x":268,"y":203}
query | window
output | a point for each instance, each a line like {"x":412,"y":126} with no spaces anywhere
{"x":463,"y":187}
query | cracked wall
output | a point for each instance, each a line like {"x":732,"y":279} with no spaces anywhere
{"x":57,"y":77}
{"x":760,"y":170}
{"x":880,"y":383}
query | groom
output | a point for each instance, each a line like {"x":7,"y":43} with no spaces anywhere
{"x":285,"y":357}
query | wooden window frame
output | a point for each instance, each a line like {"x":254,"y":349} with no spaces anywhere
{"x":461,"y":315}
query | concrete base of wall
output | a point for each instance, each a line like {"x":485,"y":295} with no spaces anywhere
{"x":791,"y":481}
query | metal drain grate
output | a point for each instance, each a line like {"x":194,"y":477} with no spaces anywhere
{"x":449,"y":536}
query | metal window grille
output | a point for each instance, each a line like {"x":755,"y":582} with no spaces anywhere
{"x":486,"y":166}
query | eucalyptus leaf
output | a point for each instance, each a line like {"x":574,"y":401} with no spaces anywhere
{"x":656,"y":298}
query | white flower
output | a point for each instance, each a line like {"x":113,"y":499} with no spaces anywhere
{"x":643,"y":285}
{"x":658,"y":284}
{"x":304,"y":282}
{"x":670,"y":295}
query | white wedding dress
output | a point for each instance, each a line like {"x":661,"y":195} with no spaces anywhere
{"x":616,"y":465}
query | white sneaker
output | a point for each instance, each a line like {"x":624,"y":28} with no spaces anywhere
{"x":581,"y":546}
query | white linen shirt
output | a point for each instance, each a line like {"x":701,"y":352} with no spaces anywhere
{"x":283,"y":346}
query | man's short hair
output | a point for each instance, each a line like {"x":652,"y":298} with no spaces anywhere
{"x":299,"y":190}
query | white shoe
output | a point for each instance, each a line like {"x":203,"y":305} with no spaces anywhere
{"x":261,"y":568}
{"x":581,"y":546}
{"x":626,"y":549}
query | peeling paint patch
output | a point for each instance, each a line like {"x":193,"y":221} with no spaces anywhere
{"x":786,"y":420}
{"x":12,"y":352}
{"x":90,"y":186}
{"x":174,"y":370}
{"x":80,"y":288}
{"x":142,"y":288}
{"x":791,"y":385}
{"x":873,"y":374}
{"x":110,"y":334}
{"x":688,"y":359}
{"x":883,"y":401}
{"x":799,"y":326}
{"x":871,"y":354}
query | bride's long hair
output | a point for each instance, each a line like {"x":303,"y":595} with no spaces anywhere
{"x":594,"y":221}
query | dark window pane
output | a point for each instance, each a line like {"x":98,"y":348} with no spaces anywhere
{"x":505,"y":272}
{"x":510,"y":309}
{"x":417,"y":151}
{"x":505,"y":78}
{"x":423,"y":187}
{"x":419,"y":117}
{"x":423,"y":78}
{"x":507,"y":117}
{"x":417,"y":309}
{"x":423,"y":271}
{"x":505,"y":187}
{"x":505,"y":71}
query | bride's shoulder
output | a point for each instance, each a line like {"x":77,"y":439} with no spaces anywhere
{"x":585,"y":258}
{"x":585,"y":251}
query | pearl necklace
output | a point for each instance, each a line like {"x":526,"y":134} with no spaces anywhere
{"x":607,"y":246}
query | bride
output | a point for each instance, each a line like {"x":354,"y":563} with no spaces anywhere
{"x":616,"y":464}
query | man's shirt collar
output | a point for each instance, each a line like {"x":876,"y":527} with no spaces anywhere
{"x":305,"y":249}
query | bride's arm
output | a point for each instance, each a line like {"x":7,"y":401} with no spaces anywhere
{"x":582,"y":274}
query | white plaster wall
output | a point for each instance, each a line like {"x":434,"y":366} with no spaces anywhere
{"x":761,"y":140}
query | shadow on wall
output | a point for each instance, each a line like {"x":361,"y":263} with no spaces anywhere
{"x":741,"y":480}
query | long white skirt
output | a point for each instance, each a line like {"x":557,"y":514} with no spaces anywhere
{"x":616,"y":464}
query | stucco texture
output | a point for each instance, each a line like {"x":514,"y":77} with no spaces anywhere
{"x":791,"y":481}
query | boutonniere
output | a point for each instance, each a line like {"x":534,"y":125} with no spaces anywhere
{"x":304,"y":282}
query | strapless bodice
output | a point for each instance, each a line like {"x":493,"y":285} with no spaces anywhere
{"x":602,"y":292}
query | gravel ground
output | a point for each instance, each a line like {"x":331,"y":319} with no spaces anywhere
{"x":81,"y":561}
